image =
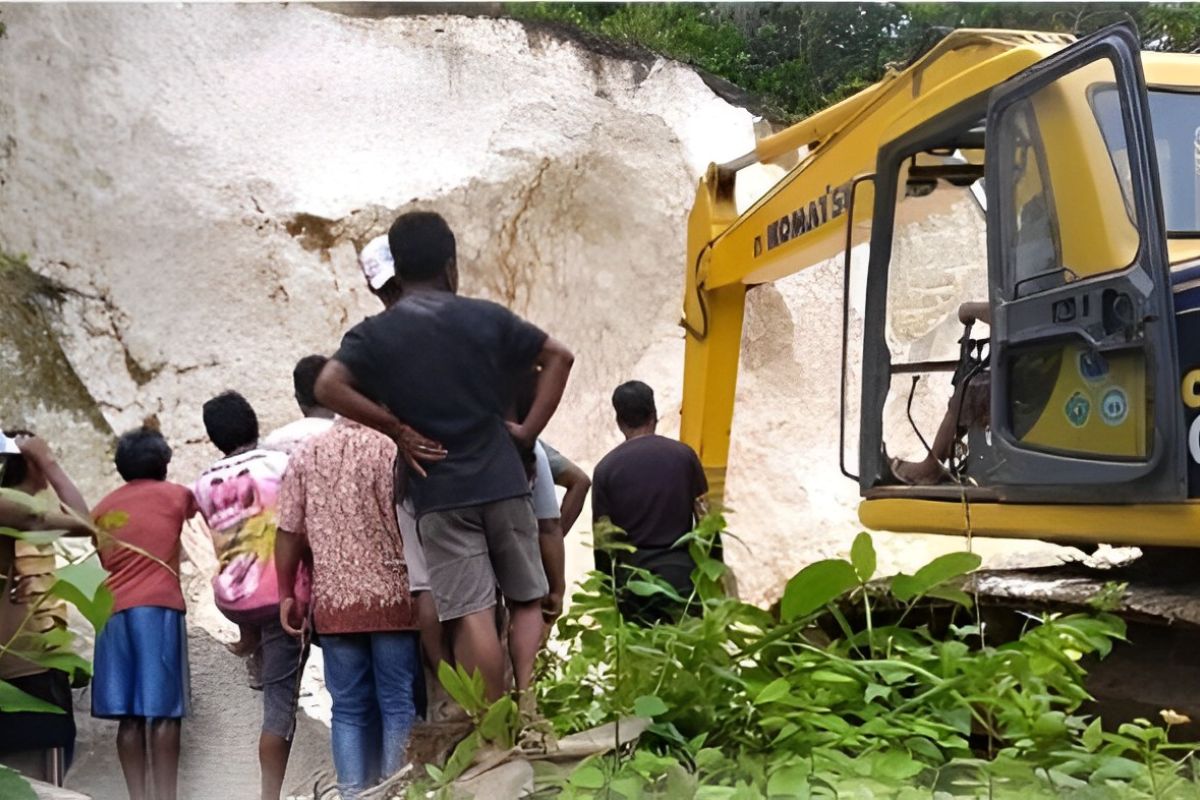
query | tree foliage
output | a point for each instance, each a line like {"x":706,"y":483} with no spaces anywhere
{"x":801,"y":57}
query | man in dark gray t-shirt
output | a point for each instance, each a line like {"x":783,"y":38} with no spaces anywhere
{"x":434,"y":371}
{"x":653,"y":488}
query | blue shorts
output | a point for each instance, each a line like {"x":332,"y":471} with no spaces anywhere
{"x":141,"y":665}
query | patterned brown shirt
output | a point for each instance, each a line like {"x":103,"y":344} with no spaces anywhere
{"x":337,"y":492}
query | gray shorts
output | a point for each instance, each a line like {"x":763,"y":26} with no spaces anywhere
{"x":281,"y":671}
{"x":469,"y":551}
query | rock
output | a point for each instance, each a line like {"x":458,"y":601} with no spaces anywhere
{"x":42,"y":392}
{"x":509,"y":781}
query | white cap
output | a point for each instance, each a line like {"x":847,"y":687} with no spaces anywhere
{"x":8,"y":446}
{"x":376,"y":262}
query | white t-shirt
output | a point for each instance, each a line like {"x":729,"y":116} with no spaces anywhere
{"x":545,"y":499}
{"x":414,"y":555}
{"x":287,"y":438}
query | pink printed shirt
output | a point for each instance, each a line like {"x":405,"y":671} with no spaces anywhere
{"x":237,"y":496}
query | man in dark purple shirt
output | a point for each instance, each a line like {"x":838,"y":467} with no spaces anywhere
{"x":652,"y":488}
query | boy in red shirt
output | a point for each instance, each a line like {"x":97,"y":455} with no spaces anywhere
{"x":141,"y":674}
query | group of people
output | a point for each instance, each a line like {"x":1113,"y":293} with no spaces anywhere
{"x":386,"y":525}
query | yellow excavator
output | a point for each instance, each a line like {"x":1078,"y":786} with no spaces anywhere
{"x":1056,"y":179}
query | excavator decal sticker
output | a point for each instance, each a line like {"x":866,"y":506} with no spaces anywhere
{"x":1114,"y":407}
{"x":816,"y":213}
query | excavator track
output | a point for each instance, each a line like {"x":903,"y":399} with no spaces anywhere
{"x":1158,"y":597}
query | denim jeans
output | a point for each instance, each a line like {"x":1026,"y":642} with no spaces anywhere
{"x":371,"y":679}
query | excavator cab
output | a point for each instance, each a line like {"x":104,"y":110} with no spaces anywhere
{"x":1081,"y":352}
{"x":1017,"y":170}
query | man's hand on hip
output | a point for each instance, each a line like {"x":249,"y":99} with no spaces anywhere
{"x":417,"y":448}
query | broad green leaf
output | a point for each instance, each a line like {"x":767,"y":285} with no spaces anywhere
{"x":874,"y":692}
{"x":14,"y":786}
{"x":97,"y":608}
{"x":905,"y":587}
{"x":85,"y":576}
{"x":952,"y":595}
{"x":498,"y":723}
{"x":947,"y":567}
{"x":862,"y":556}
{"x":1050,"y":724}
{"x":668,"y":732}
{"x":1118,"y":768}
{"x":893,"y":673}
{"x":786,"y":732}
{"x":938,"y":571}
{"x":33,"y":537}
{"x":59,"y":658}
{"x":923,"y":747}
{"x":648,"y":588}
{"x":715,"y":793}
{"x":587,"y":776}
{"x":712,"y":569}
{"x":829,"y":676}
{"x":958,"y":719}
{"x":13,"y":699}
{"x":815,"y":585}
{"x":649,"y":706}
{"x":454,"y":685}
{"x":709,"y":758}
{"x":790,"y":781}
{"x":894,"y":766}
{"x":609,"y":538}
{"x":1092,"y":736}
{"x":461,"y":758}
{"x":627,"y":787}
{"x":679,"y":782}
{"x":41,"y":503}
{"x":773,"y":691}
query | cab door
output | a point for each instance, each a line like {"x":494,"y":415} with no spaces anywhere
{"x":1084,"y":406}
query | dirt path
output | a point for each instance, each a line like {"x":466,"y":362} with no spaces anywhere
{"x":220,"y":739}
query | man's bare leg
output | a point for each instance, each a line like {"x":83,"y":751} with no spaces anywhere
{"x":525,"y":625}
{"x":929,"y":470}
{"x":131,"y":750}
{"x":477,"y":647}
{"x":273,"y":754}
{"x":164,"y":759}
{"x":432,"y":630}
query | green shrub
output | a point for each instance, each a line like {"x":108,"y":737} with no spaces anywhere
{"x":846,"y":691}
